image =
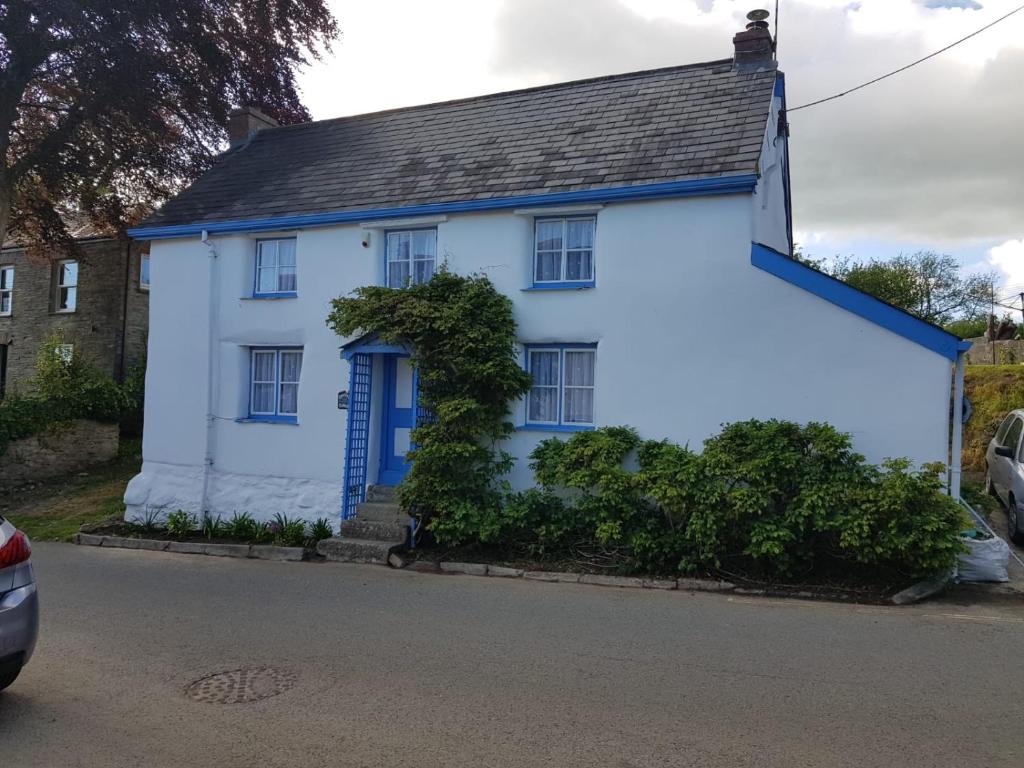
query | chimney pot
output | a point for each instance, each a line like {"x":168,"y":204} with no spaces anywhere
{"x":246,"y":122}
{"x":755,"y":44}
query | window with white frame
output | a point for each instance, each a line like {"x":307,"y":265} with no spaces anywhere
{"x":274,"y":383}
{"x":562,"y":393}
{"x":564,"y":251}
{"x":411,"y":256}
{"x":66,"y":298}
{"x":275,"y":267}
{"x":6,"y":290}
{"x":144,"y":271}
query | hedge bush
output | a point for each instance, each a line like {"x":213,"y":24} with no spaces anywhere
{"x":994,"y":390}
{"x":62,"y":390}
{"x":780,"y":497}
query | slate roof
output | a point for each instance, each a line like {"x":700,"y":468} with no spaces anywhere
{"x":678,"y":123}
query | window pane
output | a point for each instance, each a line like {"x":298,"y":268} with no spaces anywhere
{"x":544,"y":368}
{"x":579,"y":234}
{"x":579,"y":369}
{"x":69,"y":273}
{"x":579,"y":265}
{"x":286,"y":279}
{"x":424,"y":244}
{"x":579,"y":405}
{"x":549,"y":235}
{"x":263,"y":366}
{"x":286,"y":252}
{"x":68,"y":298}
{"x":266,"y":280}
{"x":398,"y":274}
{"x":6,"y":278}
{"x":266,"y":254}
{"x":289,"y":398}
{"x":144,"y":270}
{"x":423,"y":270}
{"x":5,"y":303}
{"x":263,"y":398}
{"x":543,"y":404}
{"x":549,"y":266}
{"x":291,"y":366}
{"x":398,"y":246}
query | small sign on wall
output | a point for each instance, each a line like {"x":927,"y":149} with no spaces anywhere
{"x":343,"y":400}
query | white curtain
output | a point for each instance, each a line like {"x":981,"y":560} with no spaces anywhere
{"x":543,"y":402}
{"x":579,"y":387}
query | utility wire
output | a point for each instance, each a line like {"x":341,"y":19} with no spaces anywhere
{"x":911,"y":64}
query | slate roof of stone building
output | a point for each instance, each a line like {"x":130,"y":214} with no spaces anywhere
{"x":678,"y":123}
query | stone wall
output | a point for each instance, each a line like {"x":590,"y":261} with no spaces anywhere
{"x":985,"y":352}
{"x":108,"y":326}
{"x":59,"y":450}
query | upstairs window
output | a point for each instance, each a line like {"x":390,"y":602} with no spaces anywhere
{"x":562,"y":394}
{"x":275,"y":268}
{"x":563,"y":254}
{"x":411,"y":256}
{"x":274,"y":384}
{"x":144,"y":271}
{"x":6,"y":290}
{"x":66,"y":298}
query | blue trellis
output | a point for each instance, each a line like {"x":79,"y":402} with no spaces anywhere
{"x":357,"y":439}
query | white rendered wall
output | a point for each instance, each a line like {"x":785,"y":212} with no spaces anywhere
{"x":689,"y":334}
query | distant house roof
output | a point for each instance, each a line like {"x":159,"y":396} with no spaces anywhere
{"x":684,"y":123}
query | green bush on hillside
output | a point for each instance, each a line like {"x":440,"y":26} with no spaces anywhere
{"x":994,"y":391}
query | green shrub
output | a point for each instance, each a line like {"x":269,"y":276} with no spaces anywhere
{"x":288,"y":532}
{"x":320,"y":529}
{"x":241,"y":526}
{"x":901,"y":519}
{"x":181,"y":524}
{"x":213,"y":527}
{"x":994,"y":390}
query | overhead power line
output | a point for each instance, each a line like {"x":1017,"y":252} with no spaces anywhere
{"x":911,"y":64}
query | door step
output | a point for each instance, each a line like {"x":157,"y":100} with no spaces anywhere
{"x":356,"y":550}
{"x":380,"y":512}
{"x":385,"y":493}
{"x":374,"y":530}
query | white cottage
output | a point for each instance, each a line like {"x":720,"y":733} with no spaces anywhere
{"x":640,"y":223}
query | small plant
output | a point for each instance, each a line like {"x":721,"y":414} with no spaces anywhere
{"x":262,"y":533}
{"x":319,"y":529}
{"x":149,"y":521}
{"x":181,"y":524}
{"x":287,"y":531}
{"x":241,"y":526}
{"x":213,"y":527}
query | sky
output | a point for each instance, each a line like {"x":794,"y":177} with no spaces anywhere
{"x":931,"y":159}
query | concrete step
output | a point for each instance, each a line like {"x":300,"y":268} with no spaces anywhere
{"x":358,"y":528}
{"x":378,"y":512}
{"x":382,"y":493}
{"x":355,"y":550}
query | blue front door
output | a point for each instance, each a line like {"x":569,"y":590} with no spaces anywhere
{"x":397,"y":418}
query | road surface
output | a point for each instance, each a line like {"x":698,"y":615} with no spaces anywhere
{"x":402,"y":669}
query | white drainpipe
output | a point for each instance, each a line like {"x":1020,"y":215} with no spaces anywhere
{"x":212,"y":378}
{"x":958,"y":427}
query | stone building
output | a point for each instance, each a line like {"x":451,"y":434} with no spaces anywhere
{"x":98,"y":299}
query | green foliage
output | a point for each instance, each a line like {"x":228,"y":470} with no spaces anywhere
{"x":968,"y":329}
{"x":994,"y":390}
{"x":777,"y":495}
{"x":241,"y":526}
{"x":63,"y":389}
{"x":462,"y":336}
{"x":288,"y":532}
{"x":181,"y":524}
{"x":319,"y":529}
{"x":213,"y":527}
{"x":150,"y":521}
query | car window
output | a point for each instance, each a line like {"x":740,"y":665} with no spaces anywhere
{"x":1001,"y":432}
{"x":1012,"y":436}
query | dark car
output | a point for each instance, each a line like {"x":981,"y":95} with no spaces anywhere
{"x":19,"y":605}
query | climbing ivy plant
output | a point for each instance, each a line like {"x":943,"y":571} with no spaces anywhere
{"x":461,"y":336}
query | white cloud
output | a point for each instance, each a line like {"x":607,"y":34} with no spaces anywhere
{"x":1008,"y":258}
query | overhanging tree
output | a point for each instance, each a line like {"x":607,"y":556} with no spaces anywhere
{"x":108,"y":106}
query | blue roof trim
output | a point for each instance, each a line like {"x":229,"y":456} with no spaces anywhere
{"x":859,"y":303}
{"x":720,"y":185}
{"x":370,"y":344}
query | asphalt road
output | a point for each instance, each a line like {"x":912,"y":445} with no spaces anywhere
{"x":403,"y":669}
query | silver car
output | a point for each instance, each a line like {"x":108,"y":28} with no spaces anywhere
{"x":19,"y":606}
{"x":1005,"y":476}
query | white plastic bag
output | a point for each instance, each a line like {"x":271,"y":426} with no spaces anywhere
{"x":985,"y":560}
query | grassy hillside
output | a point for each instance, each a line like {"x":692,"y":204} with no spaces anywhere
{"x":994,"y":390}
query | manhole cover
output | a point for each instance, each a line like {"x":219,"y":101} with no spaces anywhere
{"x":240,"y":686}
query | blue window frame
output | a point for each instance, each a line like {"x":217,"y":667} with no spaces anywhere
{"x":410,"y":257}
{"x":275,"y":276}
{"x":274,"y":383}
{"x":564,"y":384}
{"x":563,"y":252}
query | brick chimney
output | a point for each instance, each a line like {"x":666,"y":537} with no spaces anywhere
{"x":245,"y":122}
{"x":754,"y":45}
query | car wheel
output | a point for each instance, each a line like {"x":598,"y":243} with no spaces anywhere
{"x":8,"y":674}
{"x":1013,"y":522}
